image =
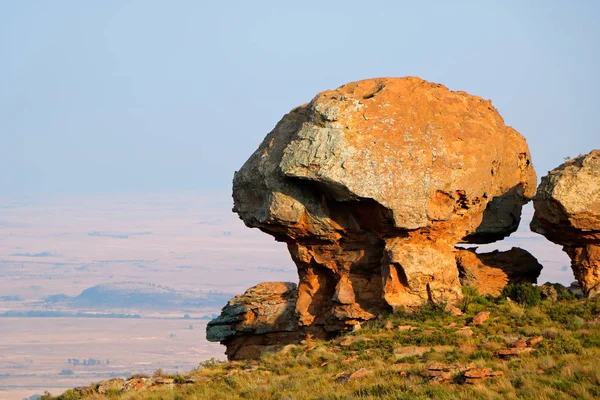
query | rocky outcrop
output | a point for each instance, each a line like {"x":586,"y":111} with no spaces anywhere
{"x":372,"y":185}
{"x":567,"y":212}
{"x":489,"y":273}
{"x":263,"y":318}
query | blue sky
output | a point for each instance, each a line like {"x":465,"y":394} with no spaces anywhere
{"x":119,"y":96}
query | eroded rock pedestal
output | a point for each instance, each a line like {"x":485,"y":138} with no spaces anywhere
{"x":567,"y":212}
{"x":372,"y":185}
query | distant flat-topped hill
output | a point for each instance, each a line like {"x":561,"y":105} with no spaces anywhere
{"x":139,"y":295}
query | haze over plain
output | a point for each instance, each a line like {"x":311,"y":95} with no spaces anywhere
{"x":101,"y":103}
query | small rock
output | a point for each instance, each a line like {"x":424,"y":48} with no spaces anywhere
{"x":406,"y":328}
{"x":453,"y":310}
{"x":353,"y":339}
{"x":358,"y":374}
{"x":324,"y":363}
{"x":341,"y":375}
{"x":534,"y":340}
{"x":481,"y":317}
{"x":452,"y":325}
{"x":513,"y":352}
{"x":389,"y":325}
{"x":474,"y":375}
{"x":437,"y":376}
{"x":309,"y":348}
{"x":520,"y":343}
{"x":410,"y":351}
{"x":349,"y":360}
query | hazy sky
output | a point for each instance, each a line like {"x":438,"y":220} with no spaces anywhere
{"x":100,"y":96}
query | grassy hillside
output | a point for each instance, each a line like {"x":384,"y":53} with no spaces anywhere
{"x":428,"y":354}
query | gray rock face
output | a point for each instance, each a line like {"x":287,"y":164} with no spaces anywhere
{"x":567,"y":212}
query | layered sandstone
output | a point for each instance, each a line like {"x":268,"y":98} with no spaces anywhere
{"x":490,"y":272}
{"x":372,"y":185}
{"x":567,"y":212}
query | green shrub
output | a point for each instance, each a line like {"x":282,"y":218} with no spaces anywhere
{"x":210,"y":363}
{"x":471,"y":297}
{"x":560,"y":345}
{"x":523,"y":293}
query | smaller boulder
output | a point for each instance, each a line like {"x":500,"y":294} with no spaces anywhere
{"x":475,"y":375}
{"x":465,"y":331}
{"x":358,"y":374}
{"x":262,"y":319}
{"x":567,"y":212}
{"x":489,"y":273}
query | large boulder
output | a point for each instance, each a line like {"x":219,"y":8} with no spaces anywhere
{"x":567,"y":212}
{"x":372,"y":185}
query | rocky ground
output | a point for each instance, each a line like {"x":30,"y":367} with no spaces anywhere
{"x":485,"y":348}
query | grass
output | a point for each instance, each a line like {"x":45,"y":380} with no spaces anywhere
{"x":563,"y":365}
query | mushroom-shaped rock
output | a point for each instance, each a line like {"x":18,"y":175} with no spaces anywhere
{"x":372,"y":185}
{"x":567,"y":212}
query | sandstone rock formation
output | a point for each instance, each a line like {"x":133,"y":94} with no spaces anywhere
{"x":567,"y":212}
{"x":489,"y":273}
{"x":372,"y":185}
{"x":262,"y":318}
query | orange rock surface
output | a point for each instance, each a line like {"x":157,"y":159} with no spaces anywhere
{"x":490,"y":272}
